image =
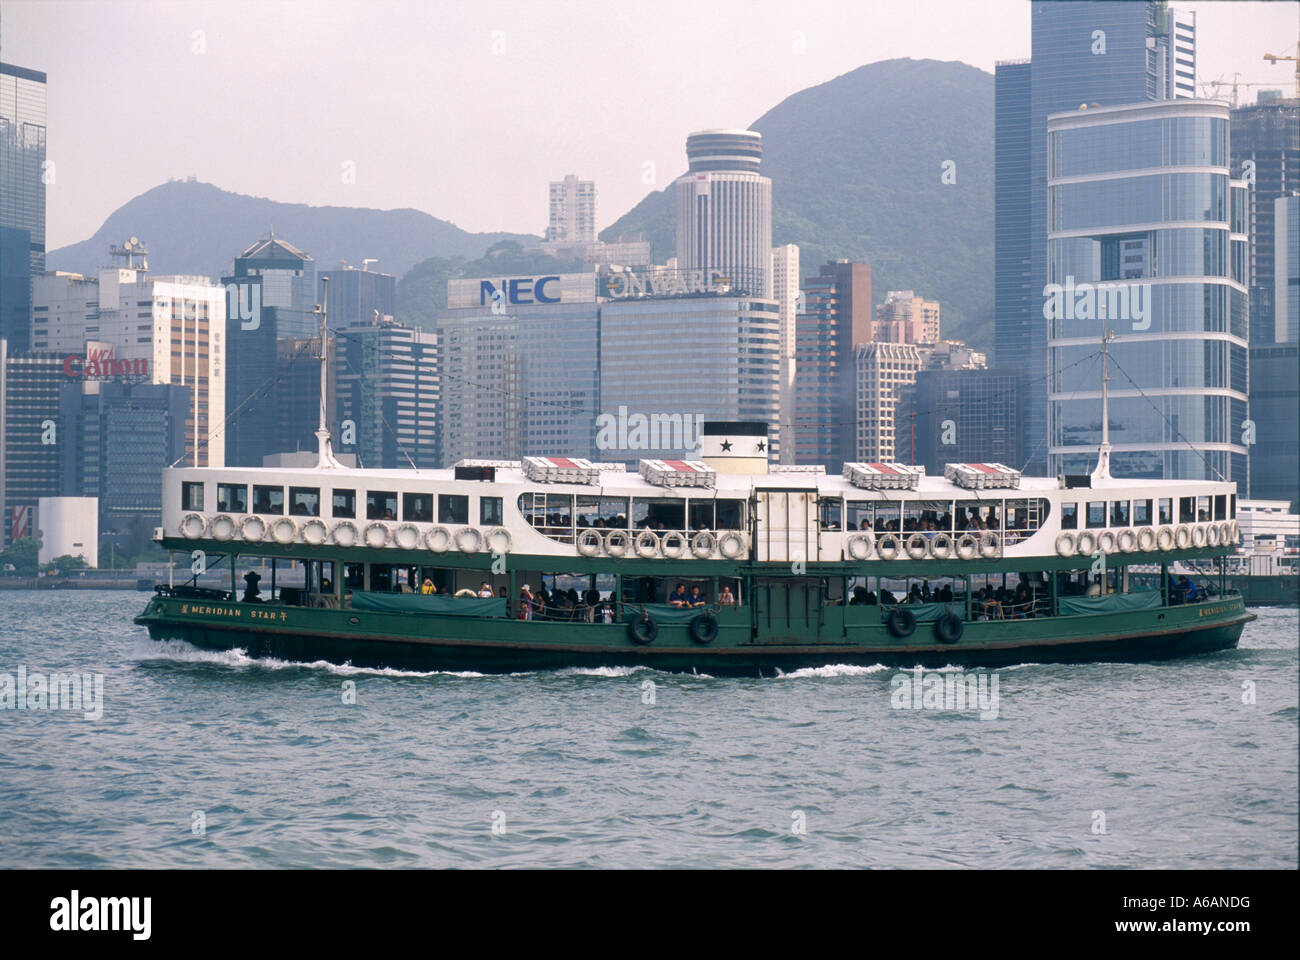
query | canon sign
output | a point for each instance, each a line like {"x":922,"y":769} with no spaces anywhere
{"x":101,"y":364}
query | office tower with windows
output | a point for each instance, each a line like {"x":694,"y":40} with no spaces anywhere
{"x":358,"y":296}
{"x":1142,"y":204}
{"x":785,"y":287}
{"x":572,"y":211}
{"x":23,"y":168}
{"x":960,"y":416}
{"x":29,"y":437}
{"x":906,"y":318}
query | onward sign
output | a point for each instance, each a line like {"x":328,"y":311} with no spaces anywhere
{"x":676,"y":283}
{"x":100,"y":364}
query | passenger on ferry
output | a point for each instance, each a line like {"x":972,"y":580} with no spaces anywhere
{"x":926,"y":597}
{"x":945,"y":593}
{"x":485,"y":591}
{"x":251,"y":593}
{"x":388,"y":515}
{"x":679,"y":597}
{"x":726,"y":597}
{"x":526,"y":603}
{"x":427,"y":588}
{"x":696,"y":599}
{"x":914,"y":595}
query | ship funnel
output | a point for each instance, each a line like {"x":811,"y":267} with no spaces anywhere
{"x":735,"y":446}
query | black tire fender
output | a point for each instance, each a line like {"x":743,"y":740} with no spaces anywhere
{"x":704,"y":628}
{"x":902,"y":622}
{"x":643,"y":629}
{"x":949,"y":628}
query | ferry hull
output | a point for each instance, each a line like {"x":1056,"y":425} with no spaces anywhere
{"x":414,"y":642}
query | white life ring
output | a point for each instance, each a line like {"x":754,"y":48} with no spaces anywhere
{"x":1212,"y":534}
{"x":469,"y":540}
{"x":1183,"y":537}
{"x":407,"y":537}
{"x":1086,"y":545}
{"x":887,"y":547}
{"x":193,"y":525}
{"x":731,"y":545}
{"x":646,"y":544}
{"x":916,"y":546}
{"x":498,"y":540}
{"x":345,"y":533}
{"x":223,"y":527}
{"x":967,"y":546}
{"x":1236,"y":533}
{"x":589,"y":542}
{"x":1126,"y":540}
{"x":1106,"y":542}
{"x":703,"y":544}
{"x":1066,"y":544}
{"x":1165,"y":538}
{"x":1199,"y":535}
{"x":679,"y":545}
{"x":941,"y":546}
{"x":990,"y":545}
{"x":858,"y":546}
{"x":314,"y":532}
{"x":284,"y":530}
{"x":617,"y":543}
{"x":253,"y":529}
{"x":438,"y":539}
{"x":377,"y":534}
{"x":1146,"y":539}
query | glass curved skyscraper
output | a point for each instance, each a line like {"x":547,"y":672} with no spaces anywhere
{"x":724,"y":210}
{"x":1146,"y":237}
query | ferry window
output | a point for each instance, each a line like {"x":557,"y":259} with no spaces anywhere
{"x":232,"y":498}
{"x":1024,"y":517}
{"x":1202,"y":508}
{"x":304,"y":501}
{"x":1096,"y":513}
{"x":658,"y":514}
{"x":345,"y":504}
{"x":603,"y":512}
{"x":1069,"y":516}
{"x":858,"y":513}
{"x":1166,"y":510}
{"x":829,"y":511}
{"x":976,"y":515}
{"x":418,"y":507}
{"x":1119,"y":513}
{"x":453,"y":508}
{"x":1221,"y":507}
{"x":550,"y":513}
{"x":1141,"y":512}
{"x":927,"y":515}
{"x":268,"y":499}
{"x":489,"y":511}
{"x":192,"y":496}
{"x":381,"y":505}
{"x":1232,"y":506}
{"x":730,"y":514}
{"x":1186,"y":509}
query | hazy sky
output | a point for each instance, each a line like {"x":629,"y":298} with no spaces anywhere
{"x":466,"y":110}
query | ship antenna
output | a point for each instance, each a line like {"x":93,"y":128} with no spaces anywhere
{"x":1102,"y":472}
{"x":324,"y":445}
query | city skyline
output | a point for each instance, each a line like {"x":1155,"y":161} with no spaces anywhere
{"x":483,"y":166}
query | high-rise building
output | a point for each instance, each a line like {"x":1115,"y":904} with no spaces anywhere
{"x":1286,"y":269}
{"x":883,"y":371}
{"x":906,"y":318}
{"x":1147,"y":238}
{"x":960,"y":416}
{"x":271,"y":293}
{"x":358,"y":296}
{"x":1275,"y":438}
{"x":572,"y":210}
{"x":1266,"y":153}
{"x":835,"y":319}
{"x":785,"y":288}
{"x":118,"y":437}
{"x":1104,"y":53}
{"x":388,"y":394}
{"x":23,"y":171}
{"x":15,"y":287}
{"x":724,"y":210}
{"x":29,"y":437}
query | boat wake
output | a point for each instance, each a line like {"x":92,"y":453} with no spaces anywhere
{"x":178,"y":651}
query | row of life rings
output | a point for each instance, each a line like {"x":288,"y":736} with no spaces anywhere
{"x":647,"y":544}
{"x":1087,"y":543}
{"x":345,"y":533}
{"x":919,"y":546}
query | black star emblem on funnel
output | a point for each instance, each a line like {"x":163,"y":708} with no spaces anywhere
{"x":726,"y":446}
{"x":762,"y":445}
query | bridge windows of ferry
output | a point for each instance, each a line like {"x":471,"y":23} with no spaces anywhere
{"x":1186,"y":509}
{"x":1069,"y":516}
{"x":490,"y":513}
{"x":192,"y":496}
{"x":1166,"y":509}
{"x":1141,"y":512}
{"x":304,"y":501}
{"x":232,"y":498}
{"x":381,"y":505}
{"x":830,"y":512}
{"x":418,"y":507}
{"x":343,"y":503}
{"x":268,"y":499}
{"x":1119,"y":513}
{"x":1095,"y":517}
{"x":453,"y":508}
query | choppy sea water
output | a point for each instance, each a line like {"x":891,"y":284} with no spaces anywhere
{"x":207,"y":760}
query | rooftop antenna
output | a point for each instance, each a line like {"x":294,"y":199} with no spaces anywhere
{"x":324,"y":445}
{"x":367,"y":261}
{"x":1102,"y":472}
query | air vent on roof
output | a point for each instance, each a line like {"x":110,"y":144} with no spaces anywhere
{"x":677,"y":473}
{"x":807,"y":468}
{"x":982,"y":476}
{"x":560,"y":470}
{"x":883,"y":476}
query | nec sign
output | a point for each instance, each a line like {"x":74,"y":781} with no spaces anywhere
{"x":517,"y":290}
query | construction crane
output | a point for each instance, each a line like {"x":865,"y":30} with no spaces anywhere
{"x":1213,"y":86}
{"x":1274,"y":58}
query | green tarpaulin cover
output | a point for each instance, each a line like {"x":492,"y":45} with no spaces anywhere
{"x":925,"y":612}
{"x":665,"y":613}
{"x":435,"y":604}
{"x":1111,"y":603}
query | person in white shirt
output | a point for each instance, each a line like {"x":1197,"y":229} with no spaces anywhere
{"x":485,"y":591}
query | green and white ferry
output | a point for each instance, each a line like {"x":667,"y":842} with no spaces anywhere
{"x":552,"y":562}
